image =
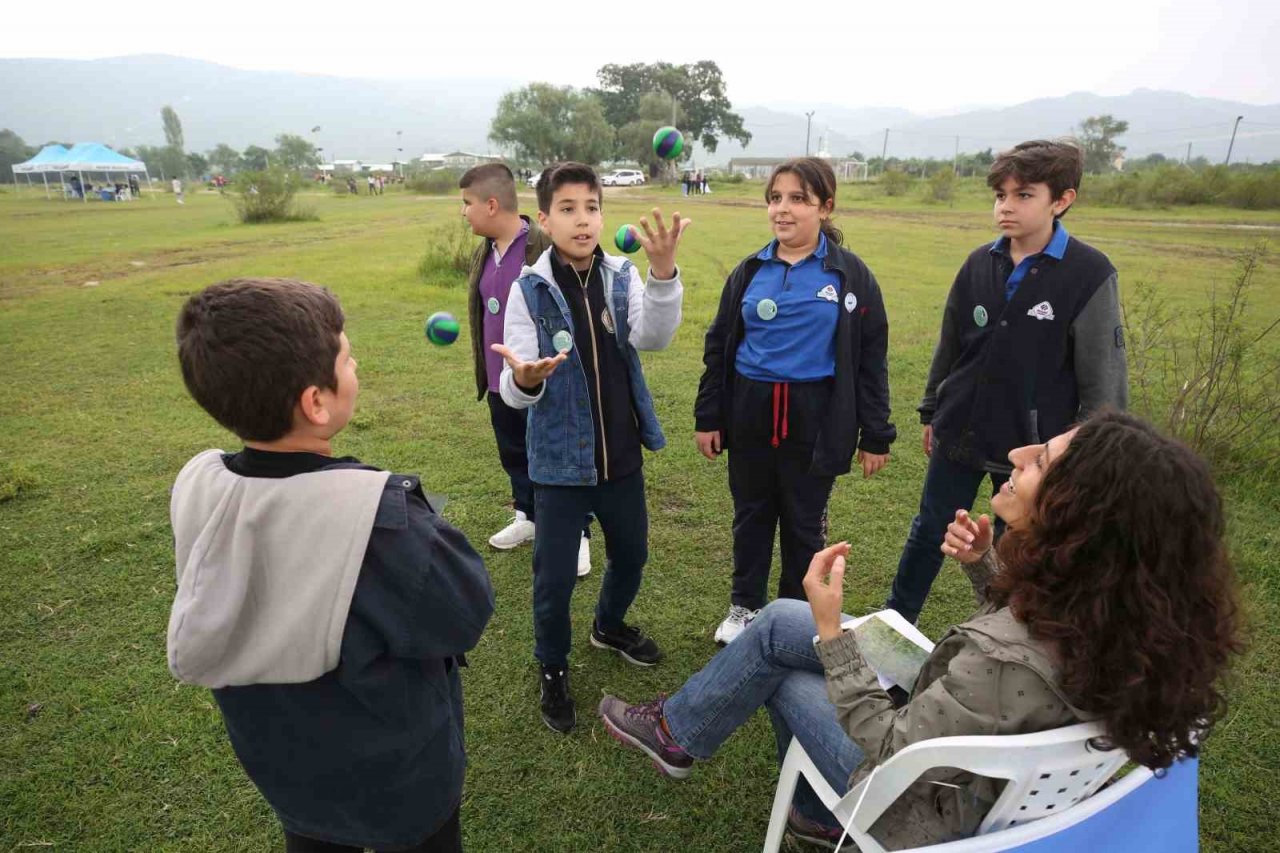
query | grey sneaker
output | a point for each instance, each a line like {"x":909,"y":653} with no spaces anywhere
{"x":640,"y":726}
{"x":734,"y":624}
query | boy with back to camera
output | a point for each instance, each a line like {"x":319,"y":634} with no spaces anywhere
{"x":511,"y":242}
{"x":575,"y":321}
{"x":324,"y":601}
{"x":1031,"y":343}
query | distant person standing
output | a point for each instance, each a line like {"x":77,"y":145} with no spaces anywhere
{"x":351,"y":186}
{"x":371,"y":181}
{"x":134,"y":189}
{"x":177,"y":190}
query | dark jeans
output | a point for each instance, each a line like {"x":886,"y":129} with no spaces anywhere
{"x":509,"y":427}
{"x":446,"y":839}
{"x":562,"y":511}
{"x":948,"y":486}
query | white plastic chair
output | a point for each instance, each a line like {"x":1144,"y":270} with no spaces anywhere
{"x":1047,"y":773}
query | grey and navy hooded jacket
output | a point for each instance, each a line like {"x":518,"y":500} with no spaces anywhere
{"x":328,"y":606}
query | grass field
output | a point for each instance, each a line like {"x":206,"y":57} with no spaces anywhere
{"x":101,"y":750}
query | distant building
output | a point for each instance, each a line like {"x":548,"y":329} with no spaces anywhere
{"x":466,"y":159}
{"x":846,"y":168}
{"x":432,"y":161}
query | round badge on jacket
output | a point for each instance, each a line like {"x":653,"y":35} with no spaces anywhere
{"x":494,"y":305}
{"x":562,"y":341}
{"x":850,"y":302}
{"x":766,"y":309}
{"x":980,"y":315}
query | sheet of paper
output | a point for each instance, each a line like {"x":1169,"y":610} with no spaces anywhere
{"x":896,"y":658}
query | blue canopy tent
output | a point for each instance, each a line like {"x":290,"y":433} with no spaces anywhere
{"x":82,"y":157}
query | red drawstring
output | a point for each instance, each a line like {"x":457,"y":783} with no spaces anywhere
{"x":781,"y":393}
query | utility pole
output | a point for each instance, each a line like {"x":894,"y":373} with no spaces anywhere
{"x":808,"y":123}
{"x":955,"y":161}
{"x":1234,"y":128}
{"x":1187,"y":162}
{"x":884,"y":150}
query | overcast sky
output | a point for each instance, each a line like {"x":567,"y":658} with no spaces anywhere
{"x":922,"y":56}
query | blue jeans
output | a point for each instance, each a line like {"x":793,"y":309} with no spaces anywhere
{"x":772,"y":664}
{"x":948,"y":486}
{"x":562,"y":514}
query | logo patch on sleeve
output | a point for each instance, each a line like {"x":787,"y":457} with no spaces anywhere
{"x":850,"y":302}
{"x":829,"y":293}
{"x":1043,"y":311}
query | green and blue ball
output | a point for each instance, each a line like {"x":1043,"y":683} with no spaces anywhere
{"x":442,"y":328}
{"x":668,"y":143}
{"x":627,"y":239}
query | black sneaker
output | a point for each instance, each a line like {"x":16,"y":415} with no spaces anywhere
{"x":558,"y":711}
{"x":629,"y":642}
{"x":640,"y":726}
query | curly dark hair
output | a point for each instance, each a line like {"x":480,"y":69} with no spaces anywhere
{"x":1124,"y":572}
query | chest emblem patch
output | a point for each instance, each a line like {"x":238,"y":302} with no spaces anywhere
{"x":606,"y":320}
{"x":494,"y":305}
{"x":980,"y":316}
{"x":850,"y":302}
{"x":1043,"y":311}
{"x":562,"y":341}
{"x":766,"y":309}
{"x":828,"y":293}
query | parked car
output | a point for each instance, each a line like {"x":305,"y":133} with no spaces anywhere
{"x":623,"y":178}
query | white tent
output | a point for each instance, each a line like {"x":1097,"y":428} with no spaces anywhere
{"x":82,"y":157}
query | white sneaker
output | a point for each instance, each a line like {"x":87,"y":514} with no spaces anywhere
{"x":515,"y":534}
{"x":734,"y":624}
{"x":584,"y":557}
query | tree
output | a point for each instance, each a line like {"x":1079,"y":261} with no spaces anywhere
{"x":1097,"y":138}
{"x":172,"y":128}
{"x":698,"y":91}
{"x":12,"y":150}
{"x":293,"y":153}
{"x":224,"y":159}
{"x":197,"y":165}
{"x":635,"y":138}
{"x":162,"y":160}
{"x":256,"y":158}
{"x":548,"y":124}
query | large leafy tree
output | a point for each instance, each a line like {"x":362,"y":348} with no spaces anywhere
{"x":698,"y":91}
{"x":256,"y":158}
{"x":1098,"y":138}
{"x":546,"y":124}
{"x":12,"y":150}
{"x":293,"y":153}
{"x":635,"y":138}
{"x":224,"y":159}
{"x":172,"y":128}
{"x":163,"y":161}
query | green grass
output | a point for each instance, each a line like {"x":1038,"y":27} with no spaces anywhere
{"x":101,"y":750}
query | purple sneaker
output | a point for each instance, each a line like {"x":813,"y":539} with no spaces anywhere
{"x":812,"y":832}
{"x":641,"y":726}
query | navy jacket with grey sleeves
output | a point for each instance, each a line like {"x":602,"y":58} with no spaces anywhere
{"x":858,"y":416}
{"x":1006,"y":374}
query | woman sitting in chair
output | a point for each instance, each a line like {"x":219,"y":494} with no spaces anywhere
{"x":1110,"y":598}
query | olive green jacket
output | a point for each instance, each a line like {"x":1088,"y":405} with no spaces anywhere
{"x":537,"y":243}
{"x":986,"y":676}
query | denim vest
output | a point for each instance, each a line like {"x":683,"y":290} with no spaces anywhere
{"x":560,"y":438}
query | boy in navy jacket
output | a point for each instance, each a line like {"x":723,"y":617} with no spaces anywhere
{"x":324,"y":601}
{"x":575,"y":320}
{"x":1031,"y":342}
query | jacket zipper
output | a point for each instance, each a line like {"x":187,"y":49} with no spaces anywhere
{"x":595,"y":363}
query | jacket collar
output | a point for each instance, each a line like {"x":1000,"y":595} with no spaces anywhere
{"x":542,"y":266}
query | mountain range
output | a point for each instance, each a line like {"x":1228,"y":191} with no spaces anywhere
{"x":117,"y":101}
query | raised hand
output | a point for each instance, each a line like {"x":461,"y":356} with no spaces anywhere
{"x":967,"y":540}
{"x":661,"y":247}
{"x":824,"y":587}
{"x":529,"y":374}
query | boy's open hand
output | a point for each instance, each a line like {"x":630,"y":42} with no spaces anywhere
{"x":661,"y":247}
{"x":529,"y":374}
{"x":824,"y":587}
{"x":967,"y":540}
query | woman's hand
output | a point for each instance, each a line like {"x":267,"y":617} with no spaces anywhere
{"x":824,"y":587}
{"x":708,"y":443}
{"x":967,"y":540}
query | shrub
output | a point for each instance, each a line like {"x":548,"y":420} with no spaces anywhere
{"x":435,"y":182}
{"x":895,"y":183}
{"x":447,"y":259}
{"x":942,"y":185}
{"x":266,"y":196}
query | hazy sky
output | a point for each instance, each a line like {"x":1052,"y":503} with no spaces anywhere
{"x":923,"y":56}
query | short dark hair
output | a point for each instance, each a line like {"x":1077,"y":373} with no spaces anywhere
{"x":555,"y":177}
{"x":492,"y":180}
{"x":817,"y":177}
{"x":1058,"y":163}
{"x":249,"y":347}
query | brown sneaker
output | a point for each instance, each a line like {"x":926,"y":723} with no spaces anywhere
{"x":812,"y":832}
{"x":640,"y":726}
